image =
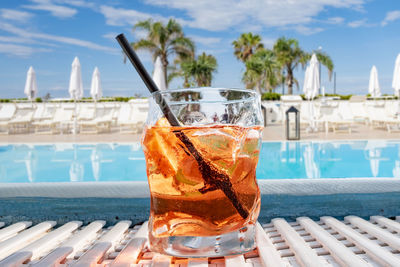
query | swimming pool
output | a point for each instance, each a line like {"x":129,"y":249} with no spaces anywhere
{"x":65,"y":162}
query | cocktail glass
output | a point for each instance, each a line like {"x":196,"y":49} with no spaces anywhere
{"x":202,"y":175}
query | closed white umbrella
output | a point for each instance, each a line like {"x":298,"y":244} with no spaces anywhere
{"x":95,"y":88}
{"x":305,"y":87}
{"x":158,"y":75}
{"x":75,"y":86}
{"x":312,"y":85}
{"x":396,"y":82}
{"x":396,"y":76}
{"x":373,"y":87}
{"x":30,"y":84}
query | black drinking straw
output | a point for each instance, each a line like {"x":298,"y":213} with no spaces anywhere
{"x":212,"y":177}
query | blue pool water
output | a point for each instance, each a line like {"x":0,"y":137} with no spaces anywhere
{"x":125,"y":162}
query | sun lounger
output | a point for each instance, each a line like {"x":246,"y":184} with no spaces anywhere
{"x":128,"y":121}
{"x":22,"y":120}
{"x":100,"y":123}
{"x":44,"y":112}
{"x":379,"y":119}
{"x":86,"y":112}
{"x":7,"y":112}
{"x":341,"y":119}
{"x":307,"y":114}
{"x":60,"y":123}
{"x":327,"y":242}
{"x":358,"y":108}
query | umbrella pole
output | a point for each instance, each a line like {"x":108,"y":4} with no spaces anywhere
{"x":75,"y":121}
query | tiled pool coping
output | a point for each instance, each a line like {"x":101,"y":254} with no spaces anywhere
{"x":115,"y":201}
{"x":140,"y":189}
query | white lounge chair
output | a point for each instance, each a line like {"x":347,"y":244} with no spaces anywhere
{"x":7,"y":112}
{"x":22,"y":120}
{"x":358,"y":108}
{"x":101,"y":122}
{"x":61,"y":122}
{"x":86,"y":112}
{"x":127,"y":120}
{"x":342,"y":118}
{"x":379,"y":119}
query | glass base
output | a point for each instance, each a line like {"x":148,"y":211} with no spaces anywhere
{"x":236,"y":242}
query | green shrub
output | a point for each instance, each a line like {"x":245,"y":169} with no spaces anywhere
{"x":271,"y":96}
{"x":38,"y":100}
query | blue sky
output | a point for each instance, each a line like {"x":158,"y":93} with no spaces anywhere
{"x":48,"y":34}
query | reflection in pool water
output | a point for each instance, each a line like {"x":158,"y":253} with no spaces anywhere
{"x":125,"y":162}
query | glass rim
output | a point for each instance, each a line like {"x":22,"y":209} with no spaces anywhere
{"x":254,"y":95}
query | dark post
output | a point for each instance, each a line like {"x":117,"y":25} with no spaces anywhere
{"x":334,"y":82}
{"x":264,"y":110}
{"x":292,"y":124}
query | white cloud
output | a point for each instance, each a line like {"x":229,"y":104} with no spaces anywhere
{"x":357,"y":23}
{"x":15,"y":39}
{"x":78,"y":3}
{"x":60,"y":39}
{"x":268,"y":42}
{"x":307,"y":30}
{"x":54,"y":9}
{"x":335,"y":20}
{"x":121,"y":17}
{"x":110,"y":36}
{"x":15,"y":15}
{"x":207,"y":41}
{"x":139,"y":34}
{"x":20,"y":50}
{"x":225,"y":14}
{"x":391,"y":16}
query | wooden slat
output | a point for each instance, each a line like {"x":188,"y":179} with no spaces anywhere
{"x":97,"y":252}
{"x":13,"y":229}
{"x":199,"y":262}
{"x":11,"y":245}
{"x":46,"y":243}
{"x":80,"y":239}
{"x":390,"y":224}
{"x":266,"y":250}
{"x":375,"y":231}
{"x":336,"y":248}
{"x":71,"y":246}
{"x":161,"y":261}
{"x":235,"y":261}
{"x":304,"y":254}
{"x":371,"y":248}
{"x":130,"y":253}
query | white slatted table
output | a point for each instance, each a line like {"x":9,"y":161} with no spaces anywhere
{"x":328,"y":242}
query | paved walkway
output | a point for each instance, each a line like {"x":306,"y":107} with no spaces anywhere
{"x":273,"y":132}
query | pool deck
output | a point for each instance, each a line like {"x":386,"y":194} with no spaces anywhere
{"x":272,"y":132}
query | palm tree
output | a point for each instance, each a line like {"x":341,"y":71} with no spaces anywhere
{"x":289,"y":55}
{"x":200,"y":70}
{"x":164,"y":41}
{"x":246,"y":45}
{"x":262,"y":70}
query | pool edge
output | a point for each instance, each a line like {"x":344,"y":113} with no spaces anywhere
{"x":140,"y":189}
